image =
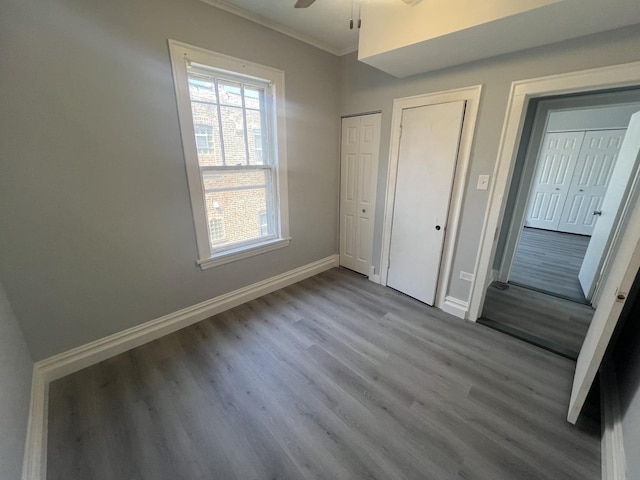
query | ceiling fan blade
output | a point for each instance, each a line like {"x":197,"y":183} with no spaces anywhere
{"x":303,"y":3}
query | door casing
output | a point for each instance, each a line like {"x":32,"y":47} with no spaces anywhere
{"x":471,"y":95}
{"x":626,"y":258}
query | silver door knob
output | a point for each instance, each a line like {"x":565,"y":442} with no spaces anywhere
{"x":598,"y":212}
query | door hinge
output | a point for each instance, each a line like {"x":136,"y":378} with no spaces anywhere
{"x":400,"y":136}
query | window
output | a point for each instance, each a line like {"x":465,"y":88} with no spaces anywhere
{"x":232,"y":124}
{"x":216,"y":230}
{"x":204,"y":139}
{"x":263,"y":223}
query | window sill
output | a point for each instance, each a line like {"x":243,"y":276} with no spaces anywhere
{"x":243,"y":252}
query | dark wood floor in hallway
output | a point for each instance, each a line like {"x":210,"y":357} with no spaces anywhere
{"x":331,"y":378}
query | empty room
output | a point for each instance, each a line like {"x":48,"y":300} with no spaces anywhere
{"x":330,"y":239}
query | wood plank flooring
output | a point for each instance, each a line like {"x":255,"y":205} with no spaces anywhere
{"x":331,"y":378}
{"x":549,"y":262}
{"x":552,"y":320}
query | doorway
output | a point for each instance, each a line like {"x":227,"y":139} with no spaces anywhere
{"x":549,"y":265}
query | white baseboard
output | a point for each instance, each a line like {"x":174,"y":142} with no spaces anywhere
{"x":493,"y":276}
{"x":455,"y":306}
{"x":614,"y":465}
{"x":372,"y":275}
{"x":57,"y":366}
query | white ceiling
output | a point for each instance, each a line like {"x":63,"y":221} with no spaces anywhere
{"x":325,"y":24}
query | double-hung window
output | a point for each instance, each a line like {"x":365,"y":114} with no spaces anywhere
{"x":232,"y":123}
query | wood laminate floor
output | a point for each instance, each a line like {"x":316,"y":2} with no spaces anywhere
{"x":552,"y":322}
{"x":549,"y":262}
{"x":331,"y":378}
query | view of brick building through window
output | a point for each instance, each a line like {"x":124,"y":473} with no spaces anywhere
{"x":228,"y":120}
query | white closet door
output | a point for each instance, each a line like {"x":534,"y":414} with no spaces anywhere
{"x":359,"y":173}
{"x":554,"y":170}
{"x":590,"y":180}
{"x":426,"y":168}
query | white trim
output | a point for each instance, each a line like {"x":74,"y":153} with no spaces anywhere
{"x":181,"y":55}
{"x":521,"y":92}
{"x":455,"y":307}
{"x":472,"y":97}
{"x":244,"y":252}
{"x":34,"y":462}
{"x":493,"y":276}
{"x":372,"y":275}
{"x":265,"y":22}
{"x":614,"y":464}
{"x":52,"y":368}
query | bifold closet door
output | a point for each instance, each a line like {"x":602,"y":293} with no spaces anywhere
{"x":590,"y":180}
{"x":552,"y":180}
{"x":358,"y":176}
{"x":427,"y":159}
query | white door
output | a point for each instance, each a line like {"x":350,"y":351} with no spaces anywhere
{"x":624,"y":268}
{"x":359,"y":173}
{"x":590,"y":180}
{"x":426,"y":167}
{"x":554,"y":170}
{"x":623,"y":174}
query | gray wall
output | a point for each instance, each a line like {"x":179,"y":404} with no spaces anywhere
{"x":94,"y":207}
{"x":626,"y":356}
{"x":365,"y":89}
{"x":592,"y":118}
{"x":15,"y":392}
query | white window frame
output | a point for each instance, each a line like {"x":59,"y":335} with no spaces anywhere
{"x":182,"y":55}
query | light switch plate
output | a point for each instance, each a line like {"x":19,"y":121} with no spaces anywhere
{"x":483,"y":182}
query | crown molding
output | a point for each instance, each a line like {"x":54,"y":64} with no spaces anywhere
{"x":228,"y":7}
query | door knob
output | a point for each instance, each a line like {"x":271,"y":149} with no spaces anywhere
{"x":598,"y":212}
{"x":364,"y":211}
{"x":438,"y":227}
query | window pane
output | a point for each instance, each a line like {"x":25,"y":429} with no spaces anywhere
{"x":242,"y":201}
{"x":235,"y":151}
{"x":205,"y":122}
{"x":201,"y":89}
{"x":256,"y":141}
{"x":253,"y":97}
{"x":230,"y":93}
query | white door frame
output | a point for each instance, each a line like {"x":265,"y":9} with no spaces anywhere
{"x":472,"y":97}
{"x":615,"y":76}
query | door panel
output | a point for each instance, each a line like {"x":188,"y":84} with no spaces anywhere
{"x":554,"y":170}
{"x":348,"y":191}
{"x":622,"y":176}
{"x":624,"y":268}
{"x":359,"y":170}
{"x":426,"y":167}
{"x":590,"y":180}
